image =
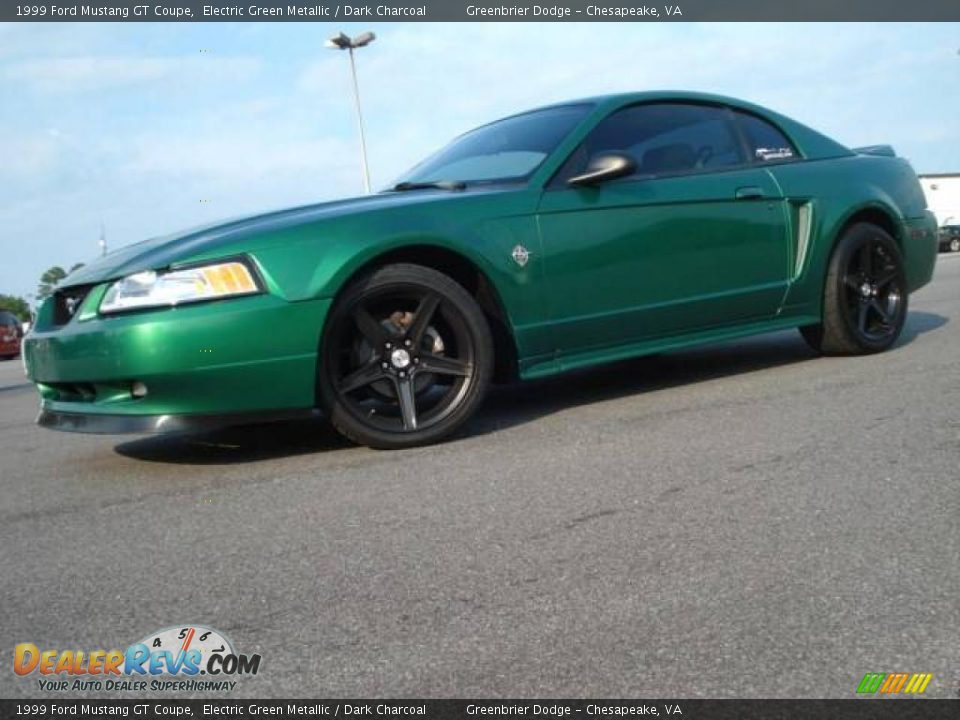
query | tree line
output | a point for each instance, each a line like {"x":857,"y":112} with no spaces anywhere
{"x":48,"y":283}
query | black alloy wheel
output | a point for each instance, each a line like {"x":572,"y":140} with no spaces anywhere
{"x":865,"y":295}
{"x":873,"y":291}
{"x":406,"y":358}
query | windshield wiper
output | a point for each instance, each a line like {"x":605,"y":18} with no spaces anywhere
{"x":430,"y":185}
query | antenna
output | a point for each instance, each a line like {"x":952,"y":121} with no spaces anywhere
{"x":103,"y":238}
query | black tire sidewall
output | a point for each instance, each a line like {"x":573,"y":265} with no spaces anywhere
{"x":475,"y":324}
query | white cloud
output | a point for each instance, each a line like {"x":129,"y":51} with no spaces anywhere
{"x":77,"y":74}
{"x":26,"y":157}
{"x":237,"y":157}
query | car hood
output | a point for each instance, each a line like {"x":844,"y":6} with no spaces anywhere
{"x":160,"y":252}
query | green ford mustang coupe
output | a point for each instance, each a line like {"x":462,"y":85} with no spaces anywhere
{"x":563,"y":237}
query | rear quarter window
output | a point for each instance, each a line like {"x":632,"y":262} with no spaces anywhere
{"x":766,"y":143}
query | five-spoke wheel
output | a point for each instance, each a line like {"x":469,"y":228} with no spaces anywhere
{"x":873,"y":290}
{"x":865,"y":295}
{"x":406,"y":358}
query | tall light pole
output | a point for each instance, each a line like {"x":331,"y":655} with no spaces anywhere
{"x":343,"y":42}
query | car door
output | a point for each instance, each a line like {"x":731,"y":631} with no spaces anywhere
{"x":695,"y":238}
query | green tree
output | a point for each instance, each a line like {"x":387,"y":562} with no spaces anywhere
{"x":51,"y":278}
{"x":17,"y":305}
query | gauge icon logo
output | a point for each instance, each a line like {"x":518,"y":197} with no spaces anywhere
{"x":188,"y":650}
{"x":203,"y":641}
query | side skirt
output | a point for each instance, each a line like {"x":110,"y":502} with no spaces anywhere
{"x":586,"y":358}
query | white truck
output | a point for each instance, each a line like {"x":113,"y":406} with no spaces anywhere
{"x":942,"y":191}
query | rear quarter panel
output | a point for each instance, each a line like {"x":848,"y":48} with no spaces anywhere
{"x":837,"y":190}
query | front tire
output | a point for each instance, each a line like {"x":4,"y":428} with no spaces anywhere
{"x":954,"y":245}
{"x":864,"y":296}
{"x":406,"y":358}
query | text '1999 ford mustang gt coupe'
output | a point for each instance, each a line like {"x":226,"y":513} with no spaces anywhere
{"x":562,"y":237}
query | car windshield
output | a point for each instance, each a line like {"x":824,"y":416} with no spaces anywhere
{"x":506,"y":150}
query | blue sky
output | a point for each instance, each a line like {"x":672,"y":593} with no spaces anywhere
{"x":157,"y":127}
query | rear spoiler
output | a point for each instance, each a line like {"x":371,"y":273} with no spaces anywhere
{"x":881,"y":150}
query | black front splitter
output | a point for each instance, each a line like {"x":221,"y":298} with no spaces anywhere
{"x":100,"y":424}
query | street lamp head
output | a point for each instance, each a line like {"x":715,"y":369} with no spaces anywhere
{"x":343,"y":42}
{"x":364,"y":38}
{"x":338,"y":42}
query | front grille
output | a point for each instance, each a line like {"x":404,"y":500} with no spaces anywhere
{"x":66,"y":302}
{"x":69,"y":392}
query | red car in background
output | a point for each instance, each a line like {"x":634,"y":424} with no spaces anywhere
{"x":11,"y":333}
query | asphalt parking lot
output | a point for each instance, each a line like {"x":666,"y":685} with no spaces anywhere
{"x":741,"y":520}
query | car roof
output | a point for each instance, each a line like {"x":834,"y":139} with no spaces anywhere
{"x":627,"y":98}
{"x":812,"y":143}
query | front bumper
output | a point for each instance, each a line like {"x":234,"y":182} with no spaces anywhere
{"x":200,"y":364}
{"x":103,"y":424}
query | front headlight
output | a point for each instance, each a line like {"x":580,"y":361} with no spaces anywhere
{"x":166,"y":289}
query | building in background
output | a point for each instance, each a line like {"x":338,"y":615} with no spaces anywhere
{"x":942,"y":191}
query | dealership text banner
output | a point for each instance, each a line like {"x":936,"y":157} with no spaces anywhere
{"x":458,"y":10}
{"x":484,"y":709}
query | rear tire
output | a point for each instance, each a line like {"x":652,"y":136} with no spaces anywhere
{"x":955,"y":245}
{"x":864,"y":296}
{"x":406,"y":358}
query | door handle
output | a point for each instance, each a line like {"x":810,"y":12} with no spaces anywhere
{"x":750,"y":192}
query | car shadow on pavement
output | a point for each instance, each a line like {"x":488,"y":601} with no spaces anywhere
{"x":510,"y":405}
{"x":524,"y":402}
{"x":918,"y":323}
{"x":239,"y":444}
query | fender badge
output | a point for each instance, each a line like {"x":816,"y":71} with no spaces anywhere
{"x":521,"y":256}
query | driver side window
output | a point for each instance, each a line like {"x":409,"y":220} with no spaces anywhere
{"x":664,"y":139}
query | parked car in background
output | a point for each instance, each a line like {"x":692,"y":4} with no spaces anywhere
{"x":11,"y":335}
{"x":560,"y":238}
{"x":949,"y":238}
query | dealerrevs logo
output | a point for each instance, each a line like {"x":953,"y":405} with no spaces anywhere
{"x":172,"y":659}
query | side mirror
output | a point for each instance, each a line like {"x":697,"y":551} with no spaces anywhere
{"x":602,"y":168}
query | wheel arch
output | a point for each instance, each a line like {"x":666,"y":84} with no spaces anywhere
{"x":469,"y":274}
{"x":875,"y":213}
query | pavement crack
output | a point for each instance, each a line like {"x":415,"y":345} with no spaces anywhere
{"x":589,"y":517}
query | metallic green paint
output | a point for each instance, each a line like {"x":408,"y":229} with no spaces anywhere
{"x":679,"y":255}
{"x":251,"y":353}
{"x":617,"y":270}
